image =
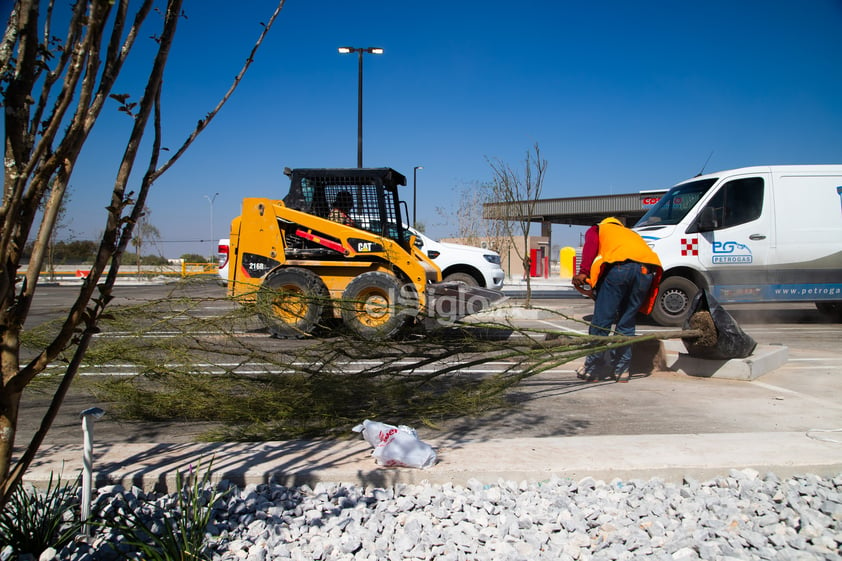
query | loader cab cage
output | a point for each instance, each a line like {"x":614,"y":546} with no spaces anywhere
{"x":373,"y":193}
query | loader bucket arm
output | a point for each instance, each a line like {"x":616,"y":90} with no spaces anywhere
{"x":448,"y":302}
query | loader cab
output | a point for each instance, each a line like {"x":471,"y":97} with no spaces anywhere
{"x":373,"y":193}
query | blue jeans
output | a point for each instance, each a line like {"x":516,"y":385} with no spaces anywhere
{"x":621,"y":294}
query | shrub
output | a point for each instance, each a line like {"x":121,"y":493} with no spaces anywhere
{"x":33,"y":521}
{"x":178,"y":531}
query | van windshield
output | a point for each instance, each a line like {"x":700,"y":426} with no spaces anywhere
{"x":675,"y":205}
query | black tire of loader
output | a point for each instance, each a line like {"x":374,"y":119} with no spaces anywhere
{"x":291,"y":301}
{"x":675,"y":294}
{"x":372,"y":306}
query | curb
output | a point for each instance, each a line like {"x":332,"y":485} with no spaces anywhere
{"x":763,"y":360}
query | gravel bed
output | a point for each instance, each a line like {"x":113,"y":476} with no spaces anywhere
{"x":741,"y":516}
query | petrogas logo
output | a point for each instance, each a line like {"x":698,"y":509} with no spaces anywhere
{"x":729,"y":253}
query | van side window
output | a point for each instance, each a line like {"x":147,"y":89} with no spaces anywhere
{"x":738,"y":202}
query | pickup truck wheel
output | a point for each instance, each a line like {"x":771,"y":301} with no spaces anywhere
{"x":464,"y":278}
{"x":291,"y":301}
{"x":372,"y":306}
{"x":674,"y":298}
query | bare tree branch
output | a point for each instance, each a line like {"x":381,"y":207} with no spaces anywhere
{"x":38,"y":161}
{"x":209,"y":117}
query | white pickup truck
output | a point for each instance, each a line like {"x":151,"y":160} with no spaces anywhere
{"x":222,"y":256}
{"x":463,"y":263}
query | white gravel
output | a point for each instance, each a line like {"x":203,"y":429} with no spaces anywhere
{"x":741,"y":516}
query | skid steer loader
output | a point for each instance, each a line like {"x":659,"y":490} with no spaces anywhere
{"x":336,"y":247}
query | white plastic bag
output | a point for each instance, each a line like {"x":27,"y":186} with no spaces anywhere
{"x":396,"y":446}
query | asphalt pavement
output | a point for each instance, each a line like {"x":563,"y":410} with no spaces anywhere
{"x":672,"y":423}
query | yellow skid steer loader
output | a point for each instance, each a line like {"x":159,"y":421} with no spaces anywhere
{"x":336,"y":246}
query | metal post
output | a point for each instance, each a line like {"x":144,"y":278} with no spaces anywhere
{"x":414,"y":195}
{"x":360,"y":113}
{"x":88,"y":418}
{"x":212,"y":239}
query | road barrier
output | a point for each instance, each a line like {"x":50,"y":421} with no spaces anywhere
{"x":182,"y":270}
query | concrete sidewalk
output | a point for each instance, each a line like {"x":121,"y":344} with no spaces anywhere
{"x":670,"y":457}
{"x":538,"y":284}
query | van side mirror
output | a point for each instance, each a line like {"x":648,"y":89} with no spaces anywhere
{"x":705,"y":222}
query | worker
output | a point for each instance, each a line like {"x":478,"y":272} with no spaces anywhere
{"x":341,"y":211}
{"x":623,"y":273}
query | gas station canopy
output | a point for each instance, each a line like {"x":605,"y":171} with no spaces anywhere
{"x":579,"y":211}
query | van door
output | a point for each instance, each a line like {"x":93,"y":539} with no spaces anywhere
{"x":806,"y":261}
{"x":732,"y":235}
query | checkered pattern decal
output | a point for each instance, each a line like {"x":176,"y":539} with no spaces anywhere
{"x":689,"y":246}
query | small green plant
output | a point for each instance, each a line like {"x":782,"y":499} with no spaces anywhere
{"x":177,"y":533}
{"x":34,"y":520}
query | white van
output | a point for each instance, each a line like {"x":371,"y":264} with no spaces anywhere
{"x":755,"y":234}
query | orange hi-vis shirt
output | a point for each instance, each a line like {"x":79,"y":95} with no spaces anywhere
{"x":618,"y":244}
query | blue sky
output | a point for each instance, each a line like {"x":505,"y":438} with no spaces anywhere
{"x":620,"y":96}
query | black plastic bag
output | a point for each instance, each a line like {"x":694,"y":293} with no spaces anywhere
{"x":730,"y":340}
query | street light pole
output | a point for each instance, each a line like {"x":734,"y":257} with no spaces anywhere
{"x":360,"y":112}
{"x":414,"y":195}
{"x":373,"y":51}
{"x":211,"y":200}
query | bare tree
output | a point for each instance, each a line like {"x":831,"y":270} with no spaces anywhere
{"x":145,"y":232}
{"x":62,"y":223}
{"x":514,"y":197}
{"x":54,"y":90}
{"x":471,"y":226}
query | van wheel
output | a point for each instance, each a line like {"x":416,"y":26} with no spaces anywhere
{"x":673,"y":304}
{"x":464,"y":278}
{"x":291,"y":302}
{"x":372,"y":306}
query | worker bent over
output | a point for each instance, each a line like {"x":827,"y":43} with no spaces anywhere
{"x":623,"y":273}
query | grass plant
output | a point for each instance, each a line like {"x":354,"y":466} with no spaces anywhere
{"x":267,"y":407}
{"x":34,"y":520}
{"x":177,"y":533}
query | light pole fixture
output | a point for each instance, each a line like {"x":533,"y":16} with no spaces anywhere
{"x":414,"y":195}
{"x":212,"y":239}
{"x":371,"y":51}
{"x":88,"y":417}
